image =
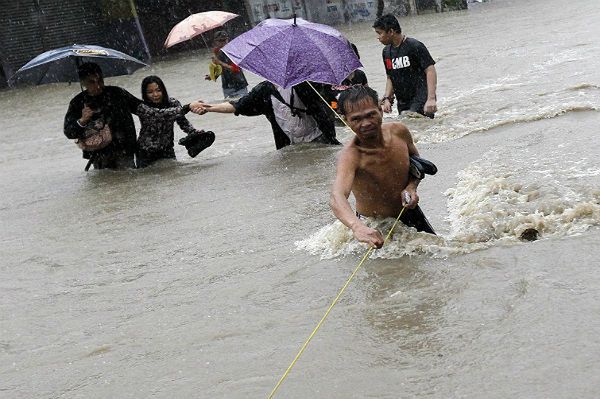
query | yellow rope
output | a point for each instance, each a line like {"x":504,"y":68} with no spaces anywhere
{"x":331,"y":307}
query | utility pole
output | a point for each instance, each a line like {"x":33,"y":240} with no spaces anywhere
{"x":140,"y":31}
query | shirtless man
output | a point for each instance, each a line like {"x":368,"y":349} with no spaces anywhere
{"x":374,"y":166}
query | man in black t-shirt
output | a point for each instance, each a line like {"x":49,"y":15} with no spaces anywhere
{"x":411,"y":74}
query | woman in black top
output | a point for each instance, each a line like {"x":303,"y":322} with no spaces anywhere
{"x":156,"y":138}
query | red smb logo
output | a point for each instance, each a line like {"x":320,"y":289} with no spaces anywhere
{"x":397,"y":63}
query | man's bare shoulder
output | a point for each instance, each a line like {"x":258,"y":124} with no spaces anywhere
{"x":350,"y":149}
{"x":350,"y":153}
{"x":398,"y":129}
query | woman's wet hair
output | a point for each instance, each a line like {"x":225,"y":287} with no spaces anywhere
{"x":88,"y":69}
{"x":354,"y":95}
{"x":154,"y":79}
{"x":387,"y":22}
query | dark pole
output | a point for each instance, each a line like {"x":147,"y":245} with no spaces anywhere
{"x":380,"y":6}
{"x":140,"y":31}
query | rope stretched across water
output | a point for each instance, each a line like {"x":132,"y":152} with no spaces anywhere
{"x":272,"y":394}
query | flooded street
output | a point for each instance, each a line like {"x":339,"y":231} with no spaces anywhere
{"x":203,"y":277}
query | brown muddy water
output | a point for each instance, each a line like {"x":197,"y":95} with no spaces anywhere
{"x":203,"y":277}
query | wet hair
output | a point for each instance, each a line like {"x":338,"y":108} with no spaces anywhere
{"x":220,"y":35}
{"x":356,"y":94}
{"x":88,"y":69}
{"x":355,"y":50}
{"x":155,"y":79}
{"x":387,"y":22}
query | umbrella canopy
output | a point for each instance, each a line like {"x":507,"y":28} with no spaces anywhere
{"x":196,"y":24}
{"x":60,"y":65}
{"x":291,"y":51}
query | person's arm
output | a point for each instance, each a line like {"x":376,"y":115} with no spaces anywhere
{"x":171,"y":113}
{"x":201,"y":108}
{"x":182,"y":121}
{"x":346,"y":169}
{"x":185,"y":124}
{"x":217,"y":61}
{"x":129,"y":100}
{"x":427,"y":64}
{"x":388,"y":96}
{"x":257,"y":102}
{"x":411,"y":187}
{"x":75,"y":120}
{"x":431,"y":103}
{"x":174,"y":110}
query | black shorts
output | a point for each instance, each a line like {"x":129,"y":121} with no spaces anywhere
{"x":413,"y":218}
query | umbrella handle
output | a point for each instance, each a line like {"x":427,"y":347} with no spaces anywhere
{"x":204,"y":40}
{"x":78,"y":64}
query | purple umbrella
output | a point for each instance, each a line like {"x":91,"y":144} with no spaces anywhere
{"x":291,"y":51}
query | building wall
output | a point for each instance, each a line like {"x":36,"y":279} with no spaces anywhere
{"x":157,"y":18}
{"x":28,"y":28}
{"x":330,"y":12}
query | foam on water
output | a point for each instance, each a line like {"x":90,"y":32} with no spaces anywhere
{"x":496,"y":201}
{"x":335,"y":240}
{"x":456,"y":120}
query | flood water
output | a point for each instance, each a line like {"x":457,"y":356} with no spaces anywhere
{"x":203,"y":277}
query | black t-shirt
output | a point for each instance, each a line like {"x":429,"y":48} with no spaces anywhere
{"x":405,"y":65}
{"x":230,"y":79}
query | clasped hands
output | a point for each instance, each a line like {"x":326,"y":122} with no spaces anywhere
{"x":199,"y":107}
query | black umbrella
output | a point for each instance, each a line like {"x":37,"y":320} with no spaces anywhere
{"x":60,"y":65}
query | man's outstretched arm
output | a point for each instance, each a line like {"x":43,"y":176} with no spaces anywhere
{"x":346,"y":169}
{"x":201,"y":108}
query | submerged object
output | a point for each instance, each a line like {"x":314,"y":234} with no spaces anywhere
{"x":530,"y":234}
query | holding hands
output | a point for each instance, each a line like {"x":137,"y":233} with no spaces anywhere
{"x":199,"y":107}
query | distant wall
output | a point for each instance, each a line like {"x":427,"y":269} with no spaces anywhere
{"x":329,"y":12}
{"x":28,"y":28}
